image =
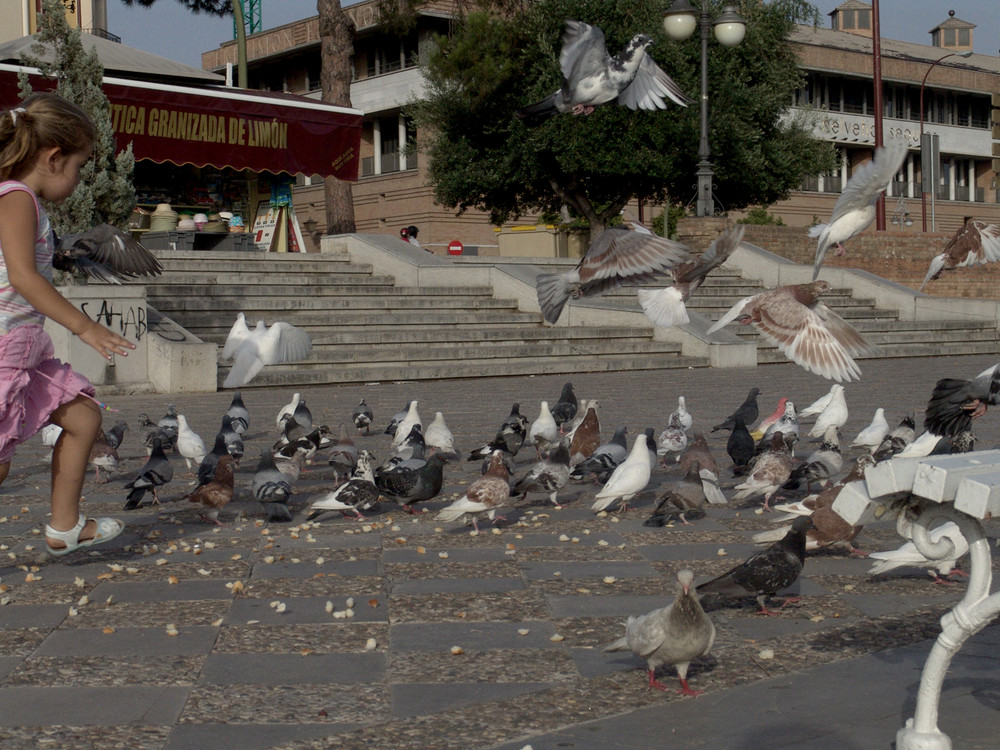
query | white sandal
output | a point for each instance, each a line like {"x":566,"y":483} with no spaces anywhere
{"x":107,"y":529}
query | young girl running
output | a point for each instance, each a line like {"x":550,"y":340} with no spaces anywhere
{"x":43,"y":144}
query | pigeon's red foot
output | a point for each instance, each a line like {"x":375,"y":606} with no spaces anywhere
{"x":583,"y":109}
{"x":855,"y":552}
{"x":976,"y":407}
{"x":840,"y":250}
{"x":655,"y":683}
{"x":688,"y":690}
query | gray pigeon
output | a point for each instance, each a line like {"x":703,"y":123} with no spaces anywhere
{"x":356,"y":494}
{"x":408,"y":485}
{"x":239,"y":414}
{"x":363,"y":417}
{"x":591,"y":77}
{"x":548,"y":475}
{"x":686,"y":494}
{"x":271,"y":488}
{"x":106,"y":254}
{"x":605,"y":459}
{"x":155,"y":473}
{"x":676,"y":634}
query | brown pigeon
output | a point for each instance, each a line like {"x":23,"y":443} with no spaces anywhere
{"x":217,"y":493}
{"x":807,"y":331}
{"x":485,"y":495}
{"x":975,"y":243}
{"x":586,"y":437}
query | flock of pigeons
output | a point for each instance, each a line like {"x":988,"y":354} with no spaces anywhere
{"x":565,"y":445}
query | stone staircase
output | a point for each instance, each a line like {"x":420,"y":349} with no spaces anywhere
{"x":881,"y":327}
{"x":365,"y":328}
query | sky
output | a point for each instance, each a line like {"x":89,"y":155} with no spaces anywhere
{"x":167,"y":29}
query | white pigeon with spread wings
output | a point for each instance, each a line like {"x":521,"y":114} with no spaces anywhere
{"x":855,"y":208}
{"x":614,"y":256}
{"x":591,"y":77}
{"x":253,"y":350}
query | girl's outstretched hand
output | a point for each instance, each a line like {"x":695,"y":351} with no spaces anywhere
{"x":105,"y":341}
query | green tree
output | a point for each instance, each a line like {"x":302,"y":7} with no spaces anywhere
{"x":337,"y":51}
{"x":483,"y":157}
{"x":106,"y":192}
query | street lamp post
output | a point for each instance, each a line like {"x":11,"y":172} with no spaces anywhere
{"x":923,"y":194}
{"x":679,"y":21}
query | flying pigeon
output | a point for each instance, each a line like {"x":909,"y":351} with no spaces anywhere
{"x":975,"y":243}
{"x":271,"y":488}
{"x":665,"y":307}
{"x":805,"y":330}
{"x":485,"y":495}
{"x":676,"y":634}
{"x":954,"y":403}
{"x":766,"y":572}
{"x":909,"y":556}
{"x":629,"y":479}
{"x":855,"y":208}
{"x":106,"y":254}
{"x":548,"y":475}
{"x":156,"y":472}
{"x":591,"y":77}
{"x":253,"y":350}
{"x":614,"y":256}
{"x":747,"y":411}
{"x":363,"y":417}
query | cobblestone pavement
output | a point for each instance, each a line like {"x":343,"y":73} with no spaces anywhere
{"x":402,"y":631}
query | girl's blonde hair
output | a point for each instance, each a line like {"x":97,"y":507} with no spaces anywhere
{"x":41,"y":121}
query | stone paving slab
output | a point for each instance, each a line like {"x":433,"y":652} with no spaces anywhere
{"x":242,"y":672}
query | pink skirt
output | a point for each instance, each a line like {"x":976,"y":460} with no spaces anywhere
{"x":33,"y":384}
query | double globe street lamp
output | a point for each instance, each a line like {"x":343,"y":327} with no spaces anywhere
{"x":679,"y":21}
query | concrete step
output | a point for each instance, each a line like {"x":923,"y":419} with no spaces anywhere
{"x":771,"y":354}
{"x":315,"y":284}
{"x":288,"y":375}
{"x":261,"y":305}
{"x":212,"y":319}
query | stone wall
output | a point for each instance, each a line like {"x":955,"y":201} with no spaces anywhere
{"x":903,"y":257}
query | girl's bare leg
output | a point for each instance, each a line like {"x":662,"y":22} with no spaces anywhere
{"x":80,"y":420}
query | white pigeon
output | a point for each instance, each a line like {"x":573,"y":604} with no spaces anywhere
{"x":287,"y":410}
{"x":855,"y":208}
{"x":872,"y":435}
{"x":438,"y":436}
{"x":406,"y":424}
{"x":629,"y":479}
{"x":253,"y":350}
{"x":189,"y":443}
{"x":682,"y":415}
{"x":543,"y":431}
{"x":818,"y":405}
{"x":673,"y":440}
{"x":834,"y":415}
{"x":922,"y":445}
{"x":910,"y":557}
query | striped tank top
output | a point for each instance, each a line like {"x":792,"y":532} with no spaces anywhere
{"x":15,"y":309}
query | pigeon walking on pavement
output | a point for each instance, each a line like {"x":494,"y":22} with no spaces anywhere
{"x":615,"y":255}
{"x":591,"y":77}
{"x":676,"y":634}
{"x":747,"y":411}
{"x":629,"y":479}
{"x":767,"y":572}
{"x":834,"y":414}
{"x":216,"y":494}
{"x":686,"y":495}
{"x":896,"y":439}
{"x":156,"y":472}
{"x":189,"y":443}
{"x":566,"y":407}
{"x":543,"y":432}
{"x":805,"y":329}
{"x":438,"y":437}
{"x":102,"y":456}
{"x":871,"y":436}
{"x":740,"y":446}
{"x":605,"y":459}
{"x":271,"y":488}
{"x":358,"y":493}
{"x":909,"y":556}
{"x":412,"y":484}
{"x":548,"y":475}
{"x":239,"y":415}
{"x":855,"y":208}
{"x":484,"y":496}
{"x":363,"y":417}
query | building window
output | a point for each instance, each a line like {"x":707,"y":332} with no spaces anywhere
{"x":846,"y":19}
{"x":864,"y":19}
{"x":949,"y":37}
{"x":964,"y":38}
{"x":856,"y":97}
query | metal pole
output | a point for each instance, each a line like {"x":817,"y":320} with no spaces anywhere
{"x":877,"y":83}
{"x":706,"y":204}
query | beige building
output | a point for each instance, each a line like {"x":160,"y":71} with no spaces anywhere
{"x":19,"y":18}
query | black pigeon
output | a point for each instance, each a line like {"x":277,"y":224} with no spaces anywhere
{"x":566,"y":406}
{"x":296,"y":424}
{"x":498,"y":443}
{"x":409,"y":485}
{"x":768,"y":571}
{"x":604,"y":460}
{"x":954,"y":403}
{"x":317,"y":439}
{"x":271,"y":488}
{"x":514,"y":429}
{"x":687,"y":495}
{"x":740,"y":446}
{"x":413,"y":445}
{"x":206,"y":469}
{"x":156,"y":473}
{"x":363,"y":417}
{"x":234,"y":443}
{"x":239,"y":414}
{"x":116,"y":434}
{"x":106,"y":254}
{"x":747,"y":410}
{"x":155,"y":432}
{"x":963,"y":442}
{"x":591,"y":77}
{"x":548,"y":475}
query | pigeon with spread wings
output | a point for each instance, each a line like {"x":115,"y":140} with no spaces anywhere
{"x":807,"y":331}
{"x":592,"y":77}
{"x":106,"y":254}
{"x":252,"y":350}
{"x":855,"y":208}
{"x":975,"y":243}
{"x":614,"y":256}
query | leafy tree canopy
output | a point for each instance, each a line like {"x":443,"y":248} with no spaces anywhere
{"x":483,"y":157}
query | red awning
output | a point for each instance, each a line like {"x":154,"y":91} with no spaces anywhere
{"x":224,"y":127}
